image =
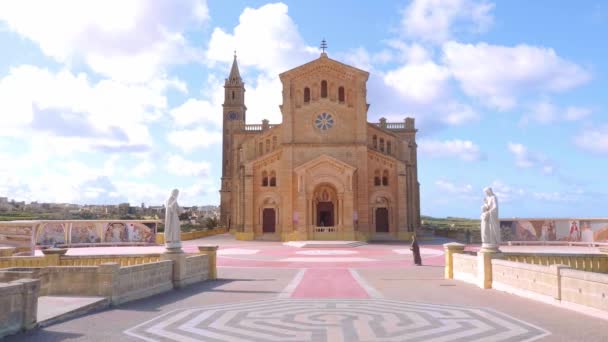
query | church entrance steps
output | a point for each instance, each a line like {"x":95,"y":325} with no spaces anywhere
{"x":268,"y":237}
{"x":325,"y":244}
{"x":54,"y":309}
{"x":383,"y":237}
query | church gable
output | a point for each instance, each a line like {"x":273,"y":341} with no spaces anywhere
{"x":324,"y":66}
{"x":324,"y":162}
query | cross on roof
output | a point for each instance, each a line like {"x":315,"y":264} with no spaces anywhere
{"x":323,"y":45}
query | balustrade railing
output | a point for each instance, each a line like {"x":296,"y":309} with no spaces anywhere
{"x":257,"y":127}
{"x":325,"y":229}
{"x":390,"y":125}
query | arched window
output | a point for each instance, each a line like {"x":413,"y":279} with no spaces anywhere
{"x":377,"y":181}
{"x":388,"y":147}
{"x":273,"y":179}
{"x":233,"y":94}
{"x":385,"y":178}
{"x":274,"y":143}
{"x":264,"y":178}
{"x":306,"y":94}
{"x":267,"y":145}
{"x":261,"y":148}
{"x":324,"y":88}
{"x":375,"y":141}
{"x":341,"y":94}
{"x":381,"y":145}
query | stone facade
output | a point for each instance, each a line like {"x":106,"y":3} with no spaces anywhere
{"x":325,"y":172}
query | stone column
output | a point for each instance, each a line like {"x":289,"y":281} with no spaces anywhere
{"x":31,"y":287}
{"x":52,"y":256}
{"x":450,"y":249}
{"x":484,"y":267}
{"x":107,"y":274}
{"x":179,"y":267}
{"x":211,"y":252}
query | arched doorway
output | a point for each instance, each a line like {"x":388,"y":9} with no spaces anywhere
{"x":325,"y":206}
{"x":268,"y":220}
{"x":325,"y":214}
{"x":381,"y":220}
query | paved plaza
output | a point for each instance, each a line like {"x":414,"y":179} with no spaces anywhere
{"x":267,"y":291}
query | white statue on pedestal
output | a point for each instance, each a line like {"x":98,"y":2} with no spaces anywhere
{"x":490,"y":225}
{"x":172,"y":228}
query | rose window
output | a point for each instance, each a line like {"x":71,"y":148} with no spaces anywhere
{"x":324,"y":121}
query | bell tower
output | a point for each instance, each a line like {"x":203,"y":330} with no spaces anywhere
{"x":233,"y":120}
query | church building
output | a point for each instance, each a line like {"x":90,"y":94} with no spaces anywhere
{"x":324,"y":172}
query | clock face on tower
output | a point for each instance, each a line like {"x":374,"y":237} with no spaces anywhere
{"x":233,"y":116}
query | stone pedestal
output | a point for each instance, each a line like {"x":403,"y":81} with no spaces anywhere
{"x":52,"y":255}
{"x":484,"y":266}
{"x":211,"y":252}
{"x":173,"y":247}
{"x":179,"y":266}
{"x":450,"y":249}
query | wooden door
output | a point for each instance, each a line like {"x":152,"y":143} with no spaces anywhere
{"x":381,"y":220}
{"x":325,"y":214}
{"x":268,"y":220}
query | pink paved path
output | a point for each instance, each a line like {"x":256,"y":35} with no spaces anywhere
{"x":329,"y":283}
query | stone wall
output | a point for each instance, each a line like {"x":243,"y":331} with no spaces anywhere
{"x":197,"y":269}
{"x":19,"y":304}
{"x":140,"y":281}
{"x":550,"y":283}
{"x":584,"y":288}
{"x":72,"y":280}
{"x":465,"y":268}
{"x":541,"y":280}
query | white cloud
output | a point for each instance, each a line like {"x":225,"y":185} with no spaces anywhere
{"x":179,"y":166}
{"x":436,"y":20}
{"x":422,"y":83}
{"x":506,"y":193}
{"x":264,"y":99}
{"x":266,"y":38}
{"x":191,"y":139}
{"x":452,"y":188}
{"x":594,"y":139}
{"x":527,"y":159}
{"x":195,"y":111}
{"x":462,"y":149}
{"x":546,"y":112}
{"x":126,"y":40}
{"x":574,"y":113}
{"x":71,"y":111}
{"x":459,"y":113}
{"x":499,"y":74}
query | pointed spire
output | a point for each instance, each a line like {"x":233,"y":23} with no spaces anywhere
{"x":235,"y":77}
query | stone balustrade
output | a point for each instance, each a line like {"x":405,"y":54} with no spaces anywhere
{"x":570,"y":280}
{"x":57,"y":257}
{"x":465,"y":268}
{"x":583,"y":262}
{"x":96,"y":260}
{"x":191,"y":235}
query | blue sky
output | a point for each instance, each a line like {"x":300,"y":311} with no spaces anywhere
{"x":113,"y":101}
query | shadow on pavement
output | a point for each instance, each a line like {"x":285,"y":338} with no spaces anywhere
{"x":47,"y":336}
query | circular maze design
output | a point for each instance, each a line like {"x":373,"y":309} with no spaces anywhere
{"x":335,"y":320}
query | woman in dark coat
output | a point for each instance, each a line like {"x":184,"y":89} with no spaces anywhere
{"x":416,"y":251}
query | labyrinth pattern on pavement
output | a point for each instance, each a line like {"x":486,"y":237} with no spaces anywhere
{"x":335,"y":320}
